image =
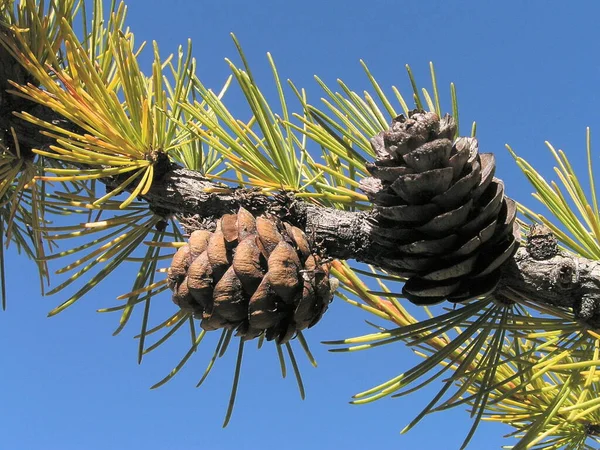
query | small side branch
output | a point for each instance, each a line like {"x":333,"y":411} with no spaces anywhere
{"x":544,"y":274}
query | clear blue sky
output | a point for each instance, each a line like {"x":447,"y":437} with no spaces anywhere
{"x":525,"y":71}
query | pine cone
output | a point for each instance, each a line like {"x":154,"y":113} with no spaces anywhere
{"x":442,"y":216}
{"x":255,"y":275}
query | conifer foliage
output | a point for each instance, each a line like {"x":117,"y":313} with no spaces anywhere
{"x":253,"y":225}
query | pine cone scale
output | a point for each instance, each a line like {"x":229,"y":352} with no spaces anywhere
{"x":431,"y":155}
{"x":447,"y":221}
{"x":418,"y":188}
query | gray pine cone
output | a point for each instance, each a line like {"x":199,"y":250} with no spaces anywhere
{"x":442,"y":216}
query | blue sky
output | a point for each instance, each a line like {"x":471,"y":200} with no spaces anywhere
{"x":525,"y":71}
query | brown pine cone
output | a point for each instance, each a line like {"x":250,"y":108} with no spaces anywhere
{"x":255,"y":275}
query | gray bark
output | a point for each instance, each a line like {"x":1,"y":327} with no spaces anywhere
{"x":197,"y":201}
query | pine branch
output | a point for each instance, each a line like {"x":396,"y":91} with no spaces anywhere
{"x":545,"y":275}
{"x":549,"y":277}
{"x":198,"y":201}
{"x":555,"y":279}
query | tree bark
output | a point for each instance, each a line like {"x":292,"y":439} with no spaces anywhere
{"x":551,"y":278}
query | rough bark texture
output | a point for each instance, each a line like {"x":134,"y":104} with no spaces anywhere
{"x":538,"y":271}
{"x":199,"y":202}
{"x":544,"y":274}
